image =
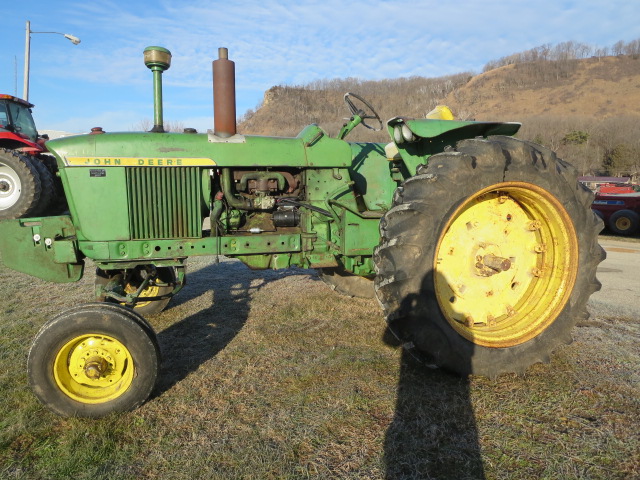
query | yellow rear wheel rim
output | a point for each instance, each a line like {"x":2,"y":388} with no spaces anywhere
{"x":505,"y":264}
{"x":93,"y":368}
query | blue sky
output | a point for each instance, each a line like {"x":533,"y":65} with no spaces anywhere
{"x":103,"y":81}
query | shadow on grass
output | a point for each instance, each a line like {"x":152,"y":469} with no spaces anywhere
{"x":197,"y":338}
{"x":433,"y":433}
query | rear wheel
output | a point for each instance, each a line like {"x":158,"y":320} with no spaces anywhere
{"x":20,"y":186}
{"x":93,"y":360}
{"x":47,"y":189}
{"x":488,"y":257}
{"x":59,"y":201}
{"x":624,"y":222}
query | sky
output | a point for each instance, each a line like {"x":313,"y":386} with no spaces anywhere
{"x":103,"y":81}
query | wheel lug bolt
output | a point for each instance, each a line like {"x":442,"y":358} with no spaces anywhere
{"x":540,"y":248}
{"x":535,"y":225}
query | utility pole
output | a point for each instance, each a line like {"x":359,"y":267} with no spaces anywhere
{"x":27,"y":54}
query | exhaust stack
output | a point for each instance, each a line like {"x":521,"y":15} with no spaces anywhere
{"x":224,"y":95}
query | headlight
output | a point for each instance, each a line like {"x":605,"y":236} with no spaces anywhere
{"x":397,"y":134}
{"x":407,"y":134}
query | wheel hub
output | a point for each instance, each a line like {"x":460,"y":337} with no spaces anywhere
{"x":623,"y":223}
{"x":10,"y":187}
{"x":93,"y":368}
{"x":488,"y":261}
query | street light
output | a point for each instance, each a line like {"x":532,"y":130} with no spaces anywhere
{"x":27,"y":54}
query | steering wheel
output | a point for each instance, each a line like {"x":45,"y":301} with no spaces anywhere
{"x":364,"y":114}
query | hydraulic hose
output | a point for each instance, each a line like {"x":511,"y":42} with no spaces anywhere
{"x":232,"y":200}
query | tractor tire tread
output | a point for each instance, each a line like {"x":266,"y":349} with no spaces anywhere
{"x":409,"y":231}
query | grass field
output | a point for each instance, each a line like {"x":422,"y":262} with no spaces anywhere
{"x":270,"y":375}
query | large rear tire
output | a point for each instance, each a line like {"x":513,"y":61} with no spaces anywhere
{"x":58,"y":203}
{"x":93,"y":360}
{"x":20,"y":186}
{"x":488,"y":257}
{"x":47,"y":189}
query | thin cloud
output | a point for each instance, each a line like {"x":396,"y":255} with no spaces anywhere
{"x":288,"y":42}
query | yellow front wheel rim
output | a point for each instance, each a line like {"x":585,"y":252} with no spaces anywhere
{"x":93,"y":368}
{"x":505,"y":264}
{"x":152,"y":291}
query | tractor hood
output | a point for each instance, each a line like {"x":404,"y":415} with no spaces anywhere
{"x":312,"y":147}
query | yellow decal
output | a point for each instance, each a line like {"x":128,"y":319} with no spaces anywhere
{"x":138,"y":162}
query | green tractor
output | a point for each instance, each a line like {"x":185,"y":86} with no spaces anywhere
{"x":481,"y":248}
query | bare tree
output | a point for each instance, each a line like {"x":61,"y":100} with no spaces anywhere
{"x":146,"y":125}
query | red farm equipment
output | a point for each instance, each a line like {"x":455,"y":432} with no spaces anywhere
{"x":619,"y":211}
{"x":28,"y":182}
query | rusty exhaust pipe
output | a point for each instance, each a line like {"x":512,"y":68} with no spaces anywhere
{"x":224,"y":95}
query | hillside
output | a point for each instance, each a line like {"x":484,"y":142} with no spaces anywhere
{"x":594,"y":87}
{"x":587,"y":109}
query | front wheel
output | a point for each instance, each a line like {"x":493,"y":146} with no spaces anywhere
{"x":162,"y":283}
{"x":93,"y":360}
{"x":488,"y":257}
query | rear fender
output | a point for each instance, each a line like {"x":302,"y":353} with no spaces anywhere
{"x":417,"y":139}
{"x":12,"y":141}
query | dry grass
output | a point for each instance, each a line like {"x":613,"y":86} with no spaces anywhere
{"x":270,"y":375}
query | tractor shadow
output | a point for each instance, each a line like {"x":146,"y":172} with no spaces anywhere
{"x":197,"y":338}
{"x":433,"y":433}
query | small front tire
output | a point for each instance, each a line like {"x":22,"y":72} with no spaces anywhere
{"x":93,"y":360}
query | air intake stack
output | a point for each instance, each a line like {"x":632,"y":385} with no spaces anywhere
{"x":224,"y":95}
{"x":157,"y":59}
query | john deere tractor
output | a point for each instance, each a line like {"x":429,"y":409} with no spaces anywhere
{"x":481,"y":248}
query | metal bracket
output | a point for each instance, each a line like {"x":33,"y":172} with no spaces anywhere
{"x":213,"y":138}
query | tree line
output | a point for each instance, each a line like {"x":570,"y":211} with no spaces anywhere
{"x":565,"y":51}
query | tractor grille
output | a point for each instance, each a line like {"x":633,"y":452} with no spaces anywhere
{"x":164,"y":202}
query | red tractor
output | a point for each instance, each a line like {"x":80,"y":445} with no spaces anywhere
{"x":28,"y":182}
